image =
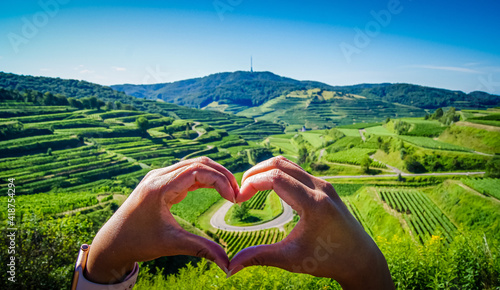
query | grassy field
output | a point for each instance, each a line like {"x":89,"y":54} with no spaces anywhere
{"x":432,"y":144}
{"x":421,"y":214}
{"x":70,"y":178}
{"x":466,"y":209}
{"x":424,"y":128}
{"x":263,"y":207}
{"x":379,"y":130}
{"x":486,"y":186}
{"x":474,"y":138}
{"x":195,"y":204}
{"x":321,"y":109}
{"x":352,"y":156}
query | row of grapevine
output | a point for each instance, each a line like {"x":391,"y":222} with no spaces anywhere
{"x":51,"y":203}
{"x":421,"y":214}
{"x":258,"y":200}
{"x":355,"y":212}
{"x":235,"y":241}
{"x":82,"y":152}
{"x":353,"y":156}
{"x":486,"y":186}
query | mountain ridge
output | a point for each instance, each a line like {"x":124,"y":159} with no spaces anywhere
{"x":251,"y":89}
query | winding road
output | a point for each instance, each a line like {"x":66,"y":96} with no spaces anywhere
{"x":402,"y":174}
{"x":217,"y":221}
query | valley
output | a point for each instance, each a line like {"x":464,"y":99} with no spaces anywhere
{"x":420,"y":177}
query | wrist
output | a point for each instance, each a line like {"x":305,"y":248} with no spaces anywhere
{"x":106,"y":267}
{"x":374,"y":276}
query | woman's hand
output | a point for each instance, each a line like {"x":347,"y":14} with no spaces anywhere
{"x":326,"y":242}
{"x":143,"y":228}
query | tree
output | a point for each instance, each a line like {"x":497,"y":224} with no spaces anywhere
{"x":302,"y":155}
{"x":168,"y":130}
{"x":437,"y":114}
{"x":49,"y":151}
{"x":186,"y":133}
{"x":241,"y":212}
{"x":142,"y":124}
{"x":75,"y":103}
{"x":365,"y":163}
{"x":49,"y":99}
{"x":450,"y":116}
{"x":100,"y":103}
{"x":86,"y":103}
{"x":118,"y":105}
{"x":128,"y":107}
{"x":413,"y":165}
{"x":493,"y":168}
{"x":402,"y":127}
{"x":109,"y":106}
{"x":94,"y":103}
{"x":61,"y":100}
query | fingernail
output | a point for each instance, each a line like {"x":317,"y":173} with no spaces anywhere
{"x":222,"y":266}
{"x":234,"y":271}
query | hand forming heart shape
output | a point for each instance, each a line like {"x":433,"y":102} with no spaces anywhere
{"x":326,"y":242}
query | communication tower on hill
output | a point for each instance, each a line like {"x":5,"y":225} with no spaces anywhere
{"x":251,"y":64}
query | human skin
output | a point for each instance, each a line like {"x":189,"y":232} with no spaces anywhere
{"x":144,"y":229}
{"x":327,"y":241}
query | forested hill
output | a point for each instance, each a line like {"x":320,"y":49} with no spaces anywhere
{"x":423,"y":97}
{"x":69,"y":88}
{"x":249,"y":89}
{"x":238,"y":88}
{"x":35,"y":87}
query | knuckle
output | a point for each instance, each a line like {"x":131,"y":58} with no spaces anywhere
{"x":328,"y":188}
{"x":196,"y":166}
{"x":276,"y":162}
{"x":150,"y":173}
{"x":276,"y":175}
{"x":203,"y":160}
{"x":280,"y":157}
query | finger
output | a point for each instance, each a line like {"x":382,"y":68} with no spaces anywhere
{"x":197,"y":246}
{"x":206,"y":161}
{"x":292,"y":191}
{"x":283,"y":164}
{"x":263,"y":255}
{"x":196,"y":174}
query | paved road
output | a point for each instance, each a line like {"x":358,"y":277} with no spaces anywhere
{"x":361,"y":131}
{"x":402,"y":174}
{"x":395,"y":169}
{"x":194,"y":129}
{"x":217,"y":220}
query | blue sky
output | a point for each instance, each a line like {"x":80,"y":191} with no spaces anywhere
{"x":446,"y":44}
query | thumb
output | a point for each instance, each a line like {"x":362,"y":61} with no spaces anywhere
{"x":197,"y":246}
{"x":263,"y":255}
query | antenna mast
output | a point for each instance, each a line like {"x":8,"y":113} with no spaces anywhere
{"x":251,"y":64}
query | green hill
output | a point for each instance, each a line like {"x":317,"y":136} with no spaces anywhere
{"x":318,"y":109}
{"x":35,"y":87}
{"x":240,"y":88}
{"x":234,"y":92}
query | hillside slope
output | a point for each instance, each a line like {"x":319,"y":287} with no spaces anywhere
{"x":242,"y":90}
{"x":239,"y":88}
{"x":81,"y":89}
